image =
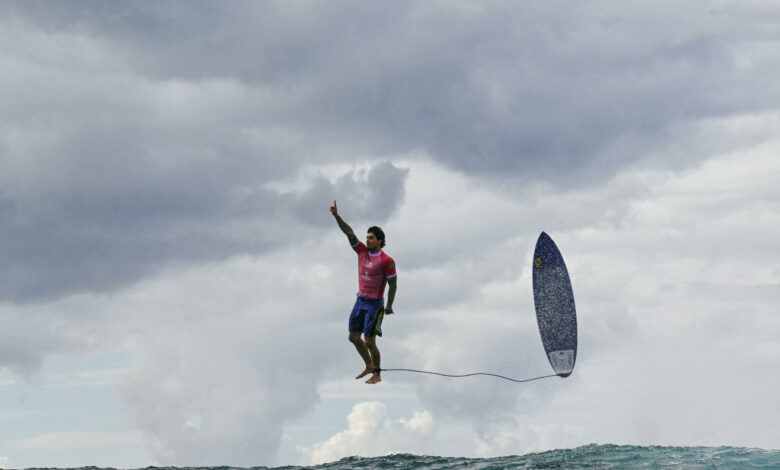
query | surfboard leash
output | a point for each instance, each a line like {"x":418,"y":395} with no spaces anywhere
{"x":469,"y":375}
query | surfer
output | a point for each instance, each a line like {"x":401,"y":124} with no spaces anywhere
{"x":375,"y":271}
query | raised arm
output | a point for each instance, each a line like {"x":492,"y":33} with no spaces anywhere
{"x":343,"y":225}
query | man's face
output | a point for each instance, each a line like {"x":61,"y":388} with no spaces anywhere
{"x":371,"y":242}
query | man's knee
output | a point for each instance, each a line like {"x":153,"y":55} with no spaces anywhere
{"x":354,"y":337}
{"x":371,"y":341}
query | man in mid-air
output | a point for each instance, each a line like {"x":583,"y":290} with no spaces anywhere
{"x":375,"y":271}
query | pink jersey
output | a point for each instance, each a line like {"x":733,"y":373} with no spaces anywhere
{"x":374,"y":269}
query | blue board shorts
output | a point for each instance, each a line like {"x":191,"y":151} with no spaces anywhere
{"x":367,"y":315}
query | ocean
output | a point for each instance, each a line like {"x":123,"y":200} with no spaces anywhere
{"x":586,"y":457}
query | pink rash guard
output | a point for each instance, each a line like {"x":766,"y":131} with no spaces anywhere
{"x":374,"y":269}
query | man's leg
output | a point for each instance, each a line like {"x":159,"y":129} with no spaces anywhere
{"x":362,"y":349}
{"x":375,"y":359}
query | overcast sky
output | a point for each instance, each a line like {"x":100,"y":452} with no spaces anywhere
{"x":174,"y":290}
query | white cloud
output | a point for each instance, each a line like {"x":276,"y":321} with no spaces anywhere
{"x":370,"y":433}
{"x":513,"y":438}
{"x":220,"y":356}
{"x":230,"y":353}
{"x":70,"y":440}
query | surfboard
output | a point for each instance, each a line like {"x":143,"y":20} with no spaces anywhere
{"x":554,"y":302}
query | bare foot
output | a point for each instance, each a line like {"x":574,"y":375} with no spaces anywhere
{"x":375,"y":379}
{"x":365,"y":372}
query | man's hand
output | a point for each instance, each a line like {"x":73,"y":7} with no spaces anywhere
{"x":334,"y":209}
{"x":389,"y":311}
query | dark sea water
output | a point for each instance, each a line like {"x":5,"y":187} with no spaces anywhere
{"x":590,"y":456}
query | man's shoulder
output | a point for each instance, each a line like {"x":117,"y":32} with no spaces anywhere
{"x":387,"y":259}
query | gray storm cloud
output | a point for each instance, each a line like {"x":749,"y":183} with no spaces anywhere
{"x":135,"y":126}
{"x":97,"y":242}
{"x":554,"y":91}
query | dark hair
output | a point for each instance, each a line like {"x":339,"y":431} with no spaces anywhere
{"x":379,"y":234}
